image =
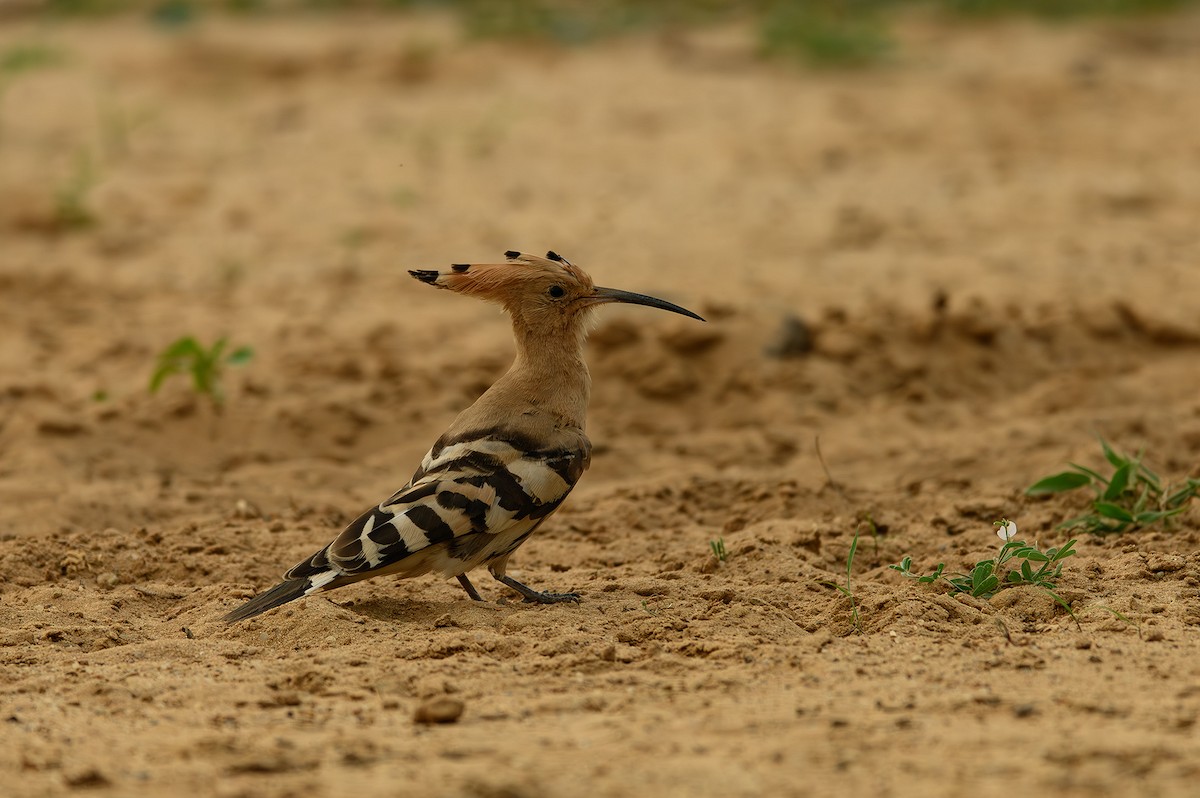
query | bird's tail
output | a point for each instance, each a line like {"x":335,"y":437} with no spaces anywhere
{"x":282,"y":593}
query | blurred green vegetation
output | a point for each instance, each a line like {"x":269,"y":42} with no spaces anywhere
{"x":818,"y":32}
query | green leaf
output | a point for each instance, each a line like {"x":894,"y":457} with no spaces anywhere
{"x":1120,"y":480}
{"x":1183,"y":495}
{"x":1117,"y":460}
{"x":240,"y":356}
{"x":960,"y":583}
{"x":1058,"y":483}
{"x":1153,"y":516}
{"x":1035,"y":555}
{"x":1089,"y":472}
{"x":1148,"y":477}
{"x":850,"y":556}
{"x":182,"y":348}
{"x":1063,"y":604}
{"x":1065,"y":552}
{"x":159,"y":376}
{"x":985,"y":588}
{"x":1113,"y":511}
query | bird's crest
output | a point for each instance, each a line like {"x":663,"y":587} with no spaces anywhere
{"x":521,"y":272}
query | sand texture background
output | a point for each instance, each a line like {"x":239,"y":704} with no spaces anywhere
{"x":956,"y":270}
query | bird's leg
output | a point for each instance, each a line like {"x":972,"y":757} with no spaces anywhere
{"x":533,"y":596}
{"x":470,"y":588}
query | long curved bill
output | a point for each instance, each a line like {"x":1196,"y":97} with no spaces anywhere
{"x":604,"y":295}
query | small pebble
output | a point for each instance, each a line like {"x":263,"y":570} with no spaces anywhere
{"x":794,"y":339}
{"x":439,"y":710}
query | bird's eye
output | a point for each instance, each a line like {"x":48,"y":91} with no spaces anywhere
{"x":557,"y":291}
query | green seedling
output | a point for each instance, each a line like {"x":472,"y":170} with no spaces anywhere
{"x":823,"y":35}
{"x":873,"y":528}
{"x":847,"y":590}
{"x":71,"y":210}
{"x":718,"y":549}
{"x":1121,"y":617}
{"x":1017,"y":563}
{"x":1132,"y":497}
{"x":20,"y":58}
{"x":205,"y":365}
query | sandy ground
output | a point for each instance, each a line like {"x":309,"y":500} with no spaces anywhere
{"x":991,"y":245}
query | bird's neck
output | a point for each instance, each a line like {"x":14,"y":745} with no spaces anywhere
{"x":547,"y":382}
{"x":550,"y":374}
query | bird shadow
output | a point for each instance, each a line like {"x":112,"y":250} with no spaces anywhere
{"x":420,"y":612}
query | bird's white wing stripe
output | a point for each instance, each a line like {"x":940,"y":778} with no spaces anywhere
{"x":539,"y":480}
{"x":503,"y":450}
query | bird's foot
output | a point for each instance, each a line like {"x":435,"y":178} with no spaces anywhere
{"x":532,"y":596}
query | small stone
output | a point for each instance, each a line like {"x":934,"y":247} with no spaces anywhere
{"x":61,"y":427}
{"x":439,"y":710}
{"x":244,"y":509}
{"x":85,"y":777}
{"x":794,"y":339}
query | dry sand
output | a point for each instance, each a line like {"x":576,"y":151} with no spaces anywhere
{"x":992,"y":245}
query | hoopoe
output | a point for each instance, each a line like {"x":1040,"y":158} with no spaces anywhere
{"x":506,"y":463}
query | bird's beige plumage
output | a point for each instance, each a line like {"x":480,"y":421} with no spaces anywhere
{"x":506,"y":462}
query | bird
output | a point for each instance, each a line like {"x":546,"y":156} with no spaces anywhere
{"x":505,"y":464}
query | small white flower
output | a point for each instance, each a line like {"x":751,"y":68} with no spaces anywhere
{"x":1006,"y":530}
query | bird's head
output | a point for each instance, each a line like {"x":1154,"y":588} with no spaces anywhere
{"x":549,"y":294}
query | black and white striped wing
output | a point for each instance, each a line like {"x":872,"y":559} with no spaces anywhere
{"x":469,"y":503}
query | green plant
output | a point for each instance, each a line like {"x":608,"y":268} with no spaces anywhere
{"x":1132,"y":497}
{"x":17,"y":59}
{"x":847,"y":591}
{"x":117,"y":124}
{"x":205,"y":365}
{"x":1037,"y":567}
{"x":71,"y":210}
{"x":20,"y":58}
{"x":824,"y":34}
{"x":1124,"y":619}
{"x":718,"y":549}
{"x":869,"y":521}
